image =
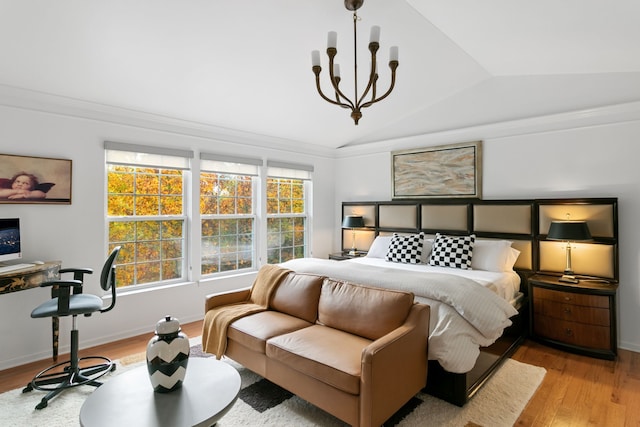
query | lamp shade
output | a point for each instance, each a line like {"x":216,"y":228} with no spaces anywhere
{"x":573,"y":231}
{"x":353,"y":221}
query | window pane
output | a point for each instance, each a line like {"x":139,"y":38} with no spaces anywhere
{"x":285,"y":206}
{"x":272,"y":196}
{"x":147,"y":272}
{"x":147,"y":205}
{"x":284,"y":188}
{"x":147,"y":184}
{"x":286,"y":232}
{"x":273,"y":256}
{"x":125,"y":274}
{"x":120,"y":183}
{"x":172,"y":269}
{"x":171,"y":229}
{"x":171,"y":185}
{"x":171,"y":205}
{"x":147,"y":230}
{"x":245,"y":205}
{"x":119,"y":205}
{"x":172,"y":249}
{"x":148,"y":251}
{"x":210,"y":227}
{"x":227,"y":243}
{"x":121,"y":231}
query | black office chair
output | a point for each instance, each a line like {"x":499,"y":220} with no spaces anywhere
{"x":62,"y":376}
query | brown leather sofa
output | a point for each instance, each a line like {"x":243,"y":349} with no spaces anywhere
{"x":357,"y":352}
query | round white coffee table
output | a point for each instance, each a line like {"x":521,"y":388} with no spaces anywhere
{"x":209,"y":390}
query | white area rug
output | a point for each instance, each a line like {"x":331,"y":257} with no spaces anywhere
{"x":498,"y":403}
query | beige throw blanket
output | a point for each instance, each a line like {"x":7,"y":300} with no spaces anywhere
{"x":218,"y":319}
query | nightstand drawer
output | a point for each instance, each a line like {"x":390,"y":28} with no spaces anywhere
{"x":579,"y":334}
{"x":571,"y":313}
{"x":571,"y":298}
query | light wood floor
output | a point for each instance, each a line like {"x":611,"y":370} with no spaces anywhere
{"x":577,"y":390}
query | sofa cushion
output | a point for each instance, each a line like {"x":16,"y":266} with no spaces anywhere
{"x":325,"y":354}
{"x":254,"y":330}
{"x":362,"y":310}
{"x":298,"y":295}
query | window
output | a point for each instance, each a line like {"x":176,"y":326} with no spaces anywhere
{"x":228,"y":218}
{"x":287,"y":213}
{"x":146,"y":195}
{"x":230,"y":211}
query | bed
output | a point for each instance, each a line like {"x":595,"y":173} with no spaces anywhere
{"x":479,"y":314}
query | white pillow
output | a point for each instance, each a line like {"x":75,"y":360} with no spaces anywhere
{"x":379,"y":247}
{"x":511,"y":259}
{"x":427,"y":245}
{"x":492,"y":255}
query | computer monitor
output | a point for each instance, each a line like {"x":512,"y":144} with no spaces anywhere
{"x":10,"y":247}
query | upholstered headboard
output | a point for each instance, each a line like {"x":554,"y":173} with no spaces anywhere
{"x":524,"y":222}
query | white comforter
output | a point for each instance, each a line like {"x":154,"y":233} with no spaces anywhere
{"x":465,"y":315}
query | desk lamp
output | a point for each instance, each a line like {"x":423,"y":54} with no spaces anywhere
{"x":569,"y":231}
{"x":353,"y":222}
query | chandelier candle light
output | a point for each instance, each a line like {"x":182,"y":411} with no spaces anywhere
{"x":334,"y":69}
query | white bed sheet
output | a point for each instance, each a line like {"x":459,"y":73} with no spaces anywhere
{"x":504,"y":284}
{"x":456,"y":330}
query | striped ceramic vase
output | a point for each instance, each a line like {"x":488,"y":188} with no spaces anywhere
{"x":167,"y":356}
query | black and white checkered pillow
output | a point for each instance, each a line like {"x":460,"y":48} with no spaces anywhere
{"x":452,"y":251}
{"x":405,"y":249}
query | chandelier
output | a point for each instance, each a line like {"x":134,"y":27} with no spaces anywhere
{"x":341,"y":99}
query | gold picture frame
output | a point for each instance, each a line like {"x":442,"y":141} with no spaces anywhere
{"x":444,"y":171}
{"x":27,"y":179}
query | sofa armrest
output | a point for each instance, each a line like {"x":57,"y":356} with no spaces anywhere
{"x":394,"y":367}
{"x":226,"y":298}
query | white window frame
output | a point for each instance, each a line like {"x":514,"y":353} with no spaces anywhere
{"x":133,"y":155}
{"x":236,"y":166}
{"x":285,"y":170}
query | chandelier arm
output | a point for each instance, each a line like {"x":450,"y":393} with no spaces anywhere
{"x":331,"y":53}
{"x":373,"y":48}
{"x":393,"y":65}
{"x":329,"y":100}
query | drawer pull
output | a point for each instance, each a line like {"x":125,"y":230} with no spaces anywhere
{"x":567,"y":298}
{"x":567,"y":311}
{"x":568,"y":332}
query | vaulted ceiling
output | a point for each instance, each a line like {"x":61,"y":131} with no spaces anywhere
{"x":246,"y":65}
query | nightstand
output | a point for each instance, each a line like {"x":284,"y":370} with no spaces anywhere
{"x":341,"y":256}
{"x":578,"y":317}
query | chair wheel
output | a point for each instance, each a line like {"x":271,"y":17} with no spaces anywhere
{"x":43,"y":404}
{"x":28,"y":388}
{"x":113,"y":367}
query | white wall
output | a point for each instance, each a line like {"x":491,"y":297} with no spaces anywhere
{"x":603,"y":164}
{"x":75,"y":234}
{"x":599,"y":161}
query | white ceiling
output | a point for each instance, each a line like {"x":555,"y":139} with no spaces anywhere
{"x":246,"y":65}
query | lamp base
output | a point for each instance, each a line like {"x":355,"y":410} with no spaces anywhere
{"x":567,"y":278}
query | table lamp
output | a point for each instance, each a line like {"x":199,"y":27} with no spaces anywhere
{"x":569,"y":231}
{"x":353,"y":222}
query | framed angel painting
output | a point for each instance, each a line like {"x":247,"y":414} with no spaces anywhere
{"x":26,"y":179}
